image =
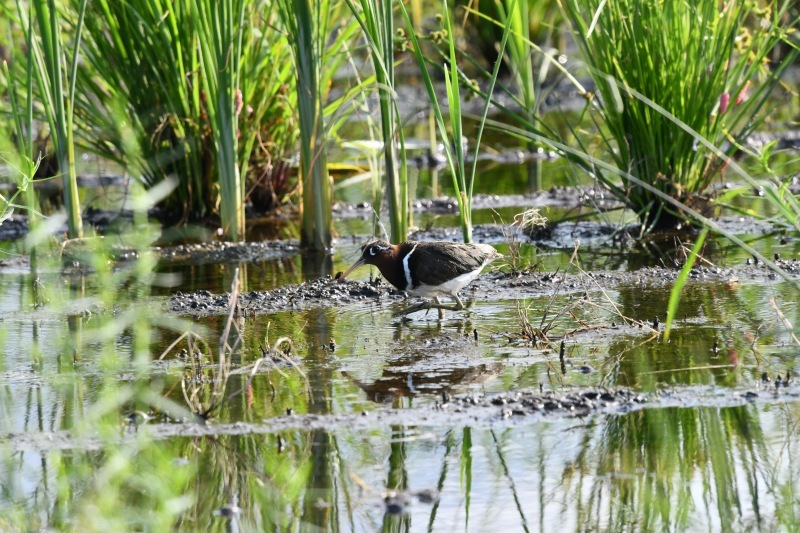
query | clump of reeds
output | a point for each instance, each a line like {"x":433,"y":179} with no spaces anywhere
{"x":206,"y":89}
{"x":681,"y":85}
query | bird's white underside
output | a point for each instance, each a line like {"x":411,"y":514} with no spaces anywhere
{"x":448,"y":288}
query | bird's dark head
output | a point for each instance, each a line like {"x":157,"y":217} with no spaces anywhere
{"x":378,"y":253}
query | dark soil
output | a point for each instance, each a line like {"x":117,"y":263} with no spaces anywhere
{"x":77,"y":254}
{"x":14,"y":227}
{"x":497,"y":285}
{"x":226,"y":252}
{"x":563,"y":197}
{"x":324,"y":292}
{"x":496,"y":410}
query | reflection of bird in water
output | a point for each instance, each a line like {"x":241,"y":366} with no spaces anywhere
{"x":402,"y":383}
{"x":427,"y":269}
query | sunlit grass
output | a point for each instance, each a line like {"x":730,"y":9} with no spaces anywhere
{"x":309,"y":24}
{"x":376,"y":20}
{"x":146,"y":60}
{"x":56,"y":76}
{"x":669,"y":74}
{"x":107,"y":467}
{"x":455,"y":145}
{"x":220,"y":30}
{"x":19,"y":156}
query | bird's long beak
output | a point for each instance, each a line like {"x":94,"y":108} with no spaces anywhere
{"x":355,"y":266}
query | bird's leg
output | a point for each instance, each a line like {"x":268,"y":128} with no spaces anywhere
{"x":438,"y":307}
{"x":458,"y":306}
{"x":436,"y":304}
{"x":421,"y":306}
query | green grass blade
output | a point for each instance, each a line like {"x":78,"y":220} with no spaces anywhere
{"x":677,"y":288}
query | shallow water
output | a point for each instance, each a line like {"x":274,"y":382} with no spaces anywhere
{"x":673,"y":468}
{"x":702,"y":459}
{"x":86,"y":399}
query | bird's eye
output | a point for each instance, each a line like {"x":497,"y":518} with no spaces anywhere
{"x":373,"y":250}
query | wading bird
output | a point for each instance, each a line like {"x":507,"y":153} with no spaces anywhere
{"x":427,"y":269}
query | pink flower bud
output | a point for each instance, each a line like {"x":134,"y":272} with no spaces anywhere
{"x":743,"y":93}
{"x":724,"y":100}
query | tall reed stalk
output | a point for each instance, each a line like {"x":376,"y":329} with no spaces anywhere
{"x":453,"y":140}
{"x":57,"y":89}
{"x":376,"y":20}
{"x":219,"y":26}
{"x":22,"y":117}
{"x":523,"y":19}
{"x":519,"y":56}
{"x":27,"y":163}
{"x":306,"y":22}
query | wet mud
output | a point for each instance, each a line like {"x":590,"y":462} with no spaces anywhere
{"x":325,"y":292}
{"x":226,"y":252}
{"x":562,"y":197}
{"x":470,"y":410}
{"x":497,"y":285}
{"x":77,"y":255}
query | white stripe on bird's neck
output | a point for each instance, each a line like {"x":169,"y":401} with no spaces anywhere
{"x":407,"y":270}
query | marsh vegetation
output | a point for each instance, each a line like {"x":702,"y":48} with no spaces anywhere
{"x":182,"y":180}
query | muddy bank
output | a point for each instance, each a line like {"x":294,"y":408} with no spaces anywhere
{"x":468,"y":410}
{"x":561,"y":197}
{"x":592,"y":234}
{"x":497,"y":285}
{"x":226,"y":252}
{"x":77,"y":254}
{"x":472,"y":410}
{"x":103,"y":221}
{"x":565,"y":236}
{"x":14,"y":227}
{"x":325,"y":292}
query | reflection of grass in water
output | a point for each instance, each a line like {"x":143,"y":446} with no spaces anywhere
{"x":654,"y":468}
{"x":700,"y":351}
{"x":649,"y":470}
{"x":131,"y":483}
{"x":268,"y":477}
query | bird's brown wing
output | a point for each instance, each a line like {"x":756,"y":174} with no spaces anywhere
{"x":433,"y":263}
